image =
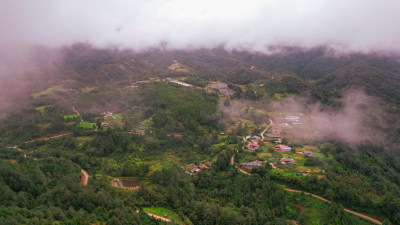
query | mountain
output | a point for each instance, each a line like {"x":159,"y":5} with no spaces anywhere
{"x":201,"y":136}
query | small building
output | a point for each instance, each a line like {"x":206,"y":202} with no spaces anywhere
{"x":108,"y":115}
{"x":289,"y":118}
{"x":253,"y":146}
{"x":202,"y":167}
{"x":285,"y":124}
{"x":276,"y":131}
{"x":175,"y":134}
{"x":255,"y":138}
{"x":273,"y":135}
{"x":288,"y":161}
{"x":283,"y":148}
{"x":194,"y":169}
{"x":308,"y":153}
{"x":227,"y":91}
{"x":141,"y":132}
{"x":251,"y":165}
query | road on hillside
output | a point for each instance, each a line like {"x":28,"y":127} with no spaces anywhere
{"x":48,"y":138}
{"x":84,"y":178}
{"x":77,"y":112}
{"x":262,"y":133}
{"x":156,"y":216}
{"x":358,"y":214}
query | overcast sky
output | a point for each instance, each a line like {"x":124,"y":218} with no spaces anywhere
{"x":344,"y":24}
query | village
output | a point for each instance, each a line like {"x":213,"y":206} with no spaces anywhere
{"x":268,"y":149}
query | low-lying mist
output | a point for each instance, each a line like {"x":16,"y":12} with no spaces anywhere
{"x":358,"y":120}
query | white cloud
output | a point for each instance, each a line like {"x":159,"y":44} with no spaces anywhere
{"x":354,"y":25}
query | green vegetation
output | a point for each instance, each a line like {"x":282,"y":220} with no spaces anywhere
{"x":162,"y":130}
{"x":70,"y":116}
{"x":315,"y":211}
{"x":49,"y":91}
{"x":160,"y":211}
{"x":43,"y":108}
{"x":86,"y":125}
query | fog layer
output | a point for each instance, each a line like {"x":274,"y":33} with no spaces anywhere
{"x":357,"y":25}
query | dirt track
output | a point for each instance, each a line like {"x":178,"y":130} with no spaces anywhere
{"x":363,"y":216}
{"x":156,"y":216}
{"x":243,"y":171}
{"x":47,"y":138}
{"x":84,"y":178}
{"x":262,"y":133}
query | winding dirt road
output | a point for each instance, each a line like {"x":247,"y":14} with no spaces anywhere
{"x":360,"y":215}
{"x":77,"y":112}
{"x":243,"y":171}
{"x":156,"y":216}
{"x":262,"y":133}
{"x":84,"y":178}
{"x":363,"y":216}
{"x":48,"y":138}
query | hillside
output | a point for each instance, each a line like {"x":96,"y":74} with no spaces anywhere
{"x":115,"y":136}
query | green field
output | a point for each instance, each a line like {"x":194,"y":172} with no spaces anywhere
{"x":43,"y":108}
{"x":49,"y":91}
{"x":86,"y":125}
{"x":70,"y":116}
{"x":160,"y":211}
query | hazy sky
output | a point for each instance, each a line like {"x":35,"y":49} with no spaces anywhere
{"x":344,"y":24}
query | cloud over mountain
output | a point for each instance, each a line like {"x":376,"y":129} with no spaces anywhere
{"x":356,"y":25}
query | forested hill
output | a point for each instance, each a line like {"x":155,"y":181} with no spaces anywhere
{"x":313,"y":72}
{"x":111,"y":136}
{"x":379,"y":75}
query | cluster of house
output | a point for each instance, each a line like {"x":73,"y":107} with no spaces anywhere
{"x":253,"y":142}
{"x":193,"y":168}
{"x":106,"y":115}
